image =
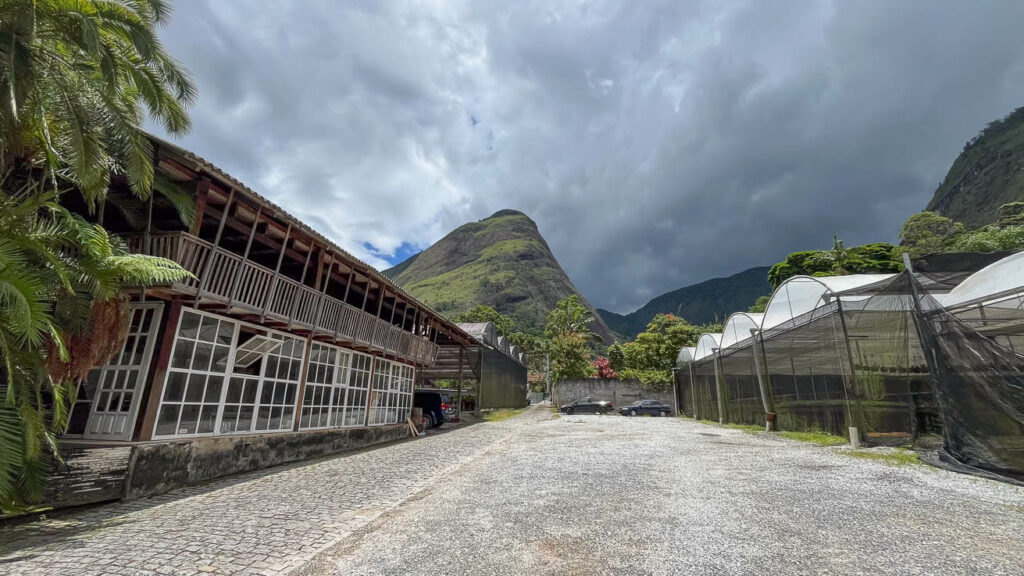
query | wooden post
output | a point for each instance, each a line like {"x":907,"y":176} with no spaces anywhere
{"x":202,"y":192}
{"x":216,"y":245}
{"x":459,"y":401}
{"x":344,"y":300}
{"x":302,"y":282}
{"x":277,"y":273}
{"x":163,"y":362}
{"x":320,"y":299}
{"x":245,"y":256}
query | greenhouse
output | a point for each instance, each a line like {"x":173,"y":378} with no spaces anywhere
{"x":844,"y":355}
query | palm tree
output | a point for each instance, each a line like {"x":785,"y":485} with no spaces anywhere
{"x":77,"y":80}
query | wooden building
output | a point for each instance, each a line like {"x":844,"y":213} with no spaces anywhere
{"x":278,"y":331}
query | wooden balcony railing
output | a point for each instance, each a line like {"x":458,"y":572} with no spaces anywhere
{"x":227,"y":278}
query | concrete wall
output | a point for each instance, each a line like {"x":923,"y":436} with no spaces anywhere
{"x":618,"y":392}
{"x":93,"y":473}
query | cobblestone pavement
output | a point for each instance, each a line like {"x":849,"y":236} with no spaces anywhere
{"x":544,"y":495}
{"x":268,"y":522}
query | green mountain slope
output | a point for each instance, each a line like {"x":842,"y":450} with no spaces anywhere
{"x":987,"y":174}
{"x":501,"y":261}
{"x":708,"y":301}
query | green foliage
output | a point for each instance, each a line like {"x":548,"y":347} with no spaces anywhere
{"x":1011,"y":214}
{"x":79,"y":78}
{"x":985,"y":175}
{"x":878,"y":257}
{"x":484,"y":313}
{"x":760,"y":304}
{"x":570,"y":316}
{"x":927,"y":233}
{"x":651,"y":357}
{"x":616,"y":357}
{"x":989,"y":239}
{"x":570,"y":357}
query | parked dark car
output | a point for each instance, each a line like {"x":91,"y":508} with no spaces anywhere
{"x":587,"y":405}
{"x":649,"y":407}
{"x":432,"y":404}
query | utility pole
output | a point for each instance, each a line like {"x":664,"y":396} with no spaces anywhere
{"x":547,"y":372}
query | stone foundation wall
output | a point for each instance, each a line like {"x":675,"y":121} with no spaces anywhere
{"x":101,"y":473}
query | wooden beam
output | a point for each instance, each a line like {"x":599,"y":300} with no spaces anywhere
{"x":202,"y":192}
{"x":277,"y":275}
{"x":245,"y":257}
{"x":163,"y":362}
{"x":204,"y":279}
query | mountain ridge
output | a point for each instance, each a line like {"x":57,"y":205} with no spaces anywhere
{"x":701,"y":303}
{"x":501,"y":261}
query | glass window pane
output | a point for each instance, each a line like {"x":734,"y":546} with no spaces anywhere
{"x":126,"y":402}
{"x":201,"y":361}
{"x":194,"y":393}
{"x":167,"y":421}
{"x":225,"y":332}
{"x":208,"y":330}
{"x":213,"y":384}
{"x":207,"y":418}
{"x":250,"y":392}
{"x":235,"y":390}
{"x":174,"y":391}
{"x":189,"y":325}
{"x":267,"y":393}
{"x":227,"y":422}
{"x":263,"y":418}
{"x":244,"y":419}
{"x":279,"y":394}
{"x":220,"y":359}
{"x":189,"y":419}
{"x":182,"y":354}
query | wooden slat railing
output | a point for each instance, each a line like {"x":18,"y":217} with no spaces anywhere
{"x":289,"y":301}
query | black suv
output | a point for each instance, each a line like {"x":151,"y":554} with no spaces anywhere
{"x":432,"y":404}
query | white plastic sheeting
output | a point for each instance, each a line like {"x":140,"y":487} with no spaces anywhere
{"x":686,"y":355}
{"x":706,"y":345}
{"x":801,"y":294}
{"x":1001,"y":278}
{"x":738,"y":326}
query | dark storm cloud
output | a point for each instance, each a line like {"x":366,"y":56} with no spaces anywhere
{"x":655,"y":145}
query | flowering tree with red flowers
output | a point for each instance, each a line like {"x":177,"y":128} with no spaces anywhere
{"x":604,"y":368}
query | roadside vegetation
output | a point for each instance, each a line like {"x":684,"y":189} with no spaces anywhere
{"x":79,"y":80}
{"x":894,"y":457}
{"x":503,"y":414}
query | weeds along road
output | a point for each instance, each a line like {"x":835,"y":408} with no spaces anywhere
{"x":539,"y":494}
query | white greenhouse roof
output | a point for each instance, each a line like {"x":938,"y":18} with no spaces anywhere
{"x":801,"y":294}
{"x":738,"y":326}
{"x":706,"y":345}
{"x":1001,"y":278}
{"x":685,"y":355}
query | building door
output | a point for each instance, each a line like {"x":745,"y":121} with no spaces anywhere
{"x":119,"y":383}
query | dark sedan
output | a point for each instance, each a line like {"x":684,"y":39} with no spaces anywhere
{"x":649,"y":407}
{"x":587,"y":405}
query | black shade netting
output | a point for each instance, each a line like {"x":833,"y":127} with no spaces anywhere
{"x":978,"y":376}
{"x":741,"y":392}
{"x":705,"y":389}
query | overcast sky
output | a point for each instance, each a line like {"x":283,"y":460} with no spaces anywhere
{"x":656,"y":144}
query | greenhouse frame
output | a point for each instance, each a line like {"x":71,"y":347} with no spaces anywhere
{"x":846,"y":355}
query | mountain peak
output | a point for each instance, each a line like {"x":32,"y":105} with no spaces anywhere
{"x":501,"y":261}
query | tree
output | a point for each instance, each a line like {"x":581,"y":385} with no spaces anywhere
{"x":570,"y":357}
{"x":570,"y":316}
{"x":927,"y":233}
{"x":482,"y":313}
{"x":760,"y":304}
{"x":868,"y":258}
{"x":616,"y":357}
{"x":1011,"y":214}
{"x":603,"y":369}
{"x":79,"y":78}
{"x":651,"y":357}
{"x":61,"y":313}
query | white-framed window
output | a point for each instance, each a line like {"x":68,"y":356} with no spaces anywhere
{"x":392,"y":392}
{"x":192,"y":390}
{"x":322,"y":380}
{"x":228,"y":377}
{"x":356,"y":392}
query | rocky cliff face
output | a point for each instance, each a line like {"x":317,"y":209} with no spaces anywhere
{"x":501,"y":261}
{"x":987,"y":174}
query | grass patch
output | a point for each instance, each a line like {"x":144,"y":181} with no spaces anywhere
{"x":898,"y":457}
{"x":752,"y":428}
{"x":556,"y":416}
{"x":819,"y":438}
{"x":504,"y":414}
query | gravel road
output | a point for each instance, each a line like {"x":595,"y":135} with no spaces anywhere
{"x":614,"y":495}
